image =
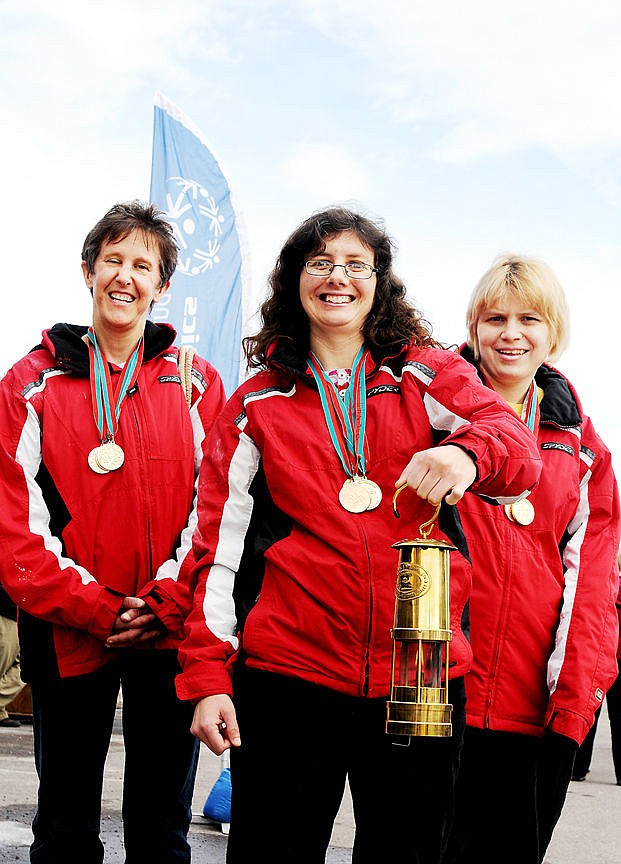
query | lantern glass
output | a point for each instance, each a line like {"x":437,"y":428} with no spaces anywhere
{"x":432,"y":658}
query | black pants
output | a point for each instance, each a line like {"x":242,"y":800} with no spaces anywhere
{"x":72,"y":721}
{"x":510,"y":793}
{"x":300,"y":743}
{"x":585,"y":752}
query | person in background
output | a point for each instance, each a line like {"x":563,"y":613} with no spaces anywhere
{"x":98,"y":458}
{"x":543,"y":623}
{"x":11,"y":683}
{"x":582,"y":762}
{"x":293,"y":549}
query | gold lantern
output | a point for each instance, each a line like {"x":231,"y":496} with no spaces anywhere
{"x":421,"y":635}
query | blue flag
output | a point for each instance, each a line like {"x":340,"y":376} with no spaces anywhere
{"x":205,"y":300}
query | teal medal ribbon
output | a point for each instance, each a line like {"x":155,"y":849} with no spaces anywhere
{"x":346,"y":418}
{"x":530,"y":408}
{"x":107,"y":402}
{"x":523,"y":512}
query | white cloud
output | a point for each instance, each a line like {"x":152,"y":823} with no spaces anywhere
{"x":325,"y":173}
{"x":493,"y":77}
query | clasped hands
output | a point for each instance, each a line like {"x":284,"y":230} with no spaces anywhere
{"x":134,"y":625}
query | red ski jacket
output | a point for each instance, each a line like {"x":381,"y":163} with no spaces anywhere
{"x":544,"y":627}
{"x":73,"y":543}
{"x":316,"y":582}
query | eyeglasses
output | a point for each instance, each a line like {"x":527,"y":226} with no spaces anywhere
{"x":353,"y":269}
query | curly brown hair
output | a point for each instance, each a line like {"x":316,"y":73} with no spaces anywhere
{"x":391,"y":322}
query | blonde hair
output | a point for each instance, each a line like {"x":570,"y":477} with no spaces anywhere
{"x":532,"y":282}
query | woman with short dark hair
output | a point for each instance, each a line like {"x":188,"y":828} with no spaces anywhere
{"x":98,"y":459}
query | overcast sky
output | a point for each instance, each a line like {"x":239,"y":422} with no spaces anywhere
{"x":469,"y":128}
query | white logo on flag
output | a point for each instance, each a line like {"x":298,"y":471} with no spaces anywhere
{"x":197,"y":225}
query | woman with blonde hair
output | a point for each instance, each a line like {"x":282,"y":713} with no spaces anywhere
{"x":543,"y":624}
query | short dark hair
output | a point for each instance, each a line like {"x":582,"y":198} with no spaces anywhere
{"x":121,"y":220}
{"x":392,"y":321}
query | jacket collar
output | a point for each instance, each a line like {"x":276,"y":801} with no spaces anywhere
{"x":283,"y":355}
{"x":560,"y":404}
{"x":65,"y":344}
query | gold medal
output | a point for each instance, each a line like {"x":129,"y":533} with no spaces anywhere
{"x":110,"y":456}
{"x":107,"y":400}
{"x":375,"y":493}
{"x":93,"y":462}
{"x":354,"y":495}
{"x":521,"y":511}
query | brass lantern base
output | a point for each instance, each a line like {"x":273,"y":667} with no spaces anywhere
{"x":407,"y":718}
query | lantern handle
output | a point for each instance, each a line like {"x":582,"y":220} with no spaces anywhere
{"x":429,"y":524}
{"x":426,"y":525}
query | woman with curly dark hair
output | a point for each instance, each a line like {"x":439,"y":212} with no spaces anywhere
{"x":294,"y":566}
{"x":391,"y":320}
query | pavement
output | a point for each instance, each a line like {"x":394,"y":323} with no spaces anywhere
{"x":589,"y":831}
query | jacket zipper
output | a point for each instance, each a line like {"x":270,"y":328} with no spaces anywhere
{"x":135,"y":395}
{"x":497,"y":642}
{"x":367,"y":665}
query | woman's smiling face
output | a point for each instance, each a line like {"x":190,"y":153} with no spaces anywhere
{"x":513,"y":342}
{"x":125,"y":282}
{"x":337,"y":304}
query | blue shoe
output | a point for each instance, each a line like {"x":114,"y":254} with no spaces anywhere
{"x":218,"y":804}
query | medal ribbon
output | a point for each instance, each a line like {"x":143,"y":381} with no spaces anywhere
{"x":530,"y":408}
{"x":345,"y":417}
{"x":530,"y":416}
{"x":102,"y":393}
